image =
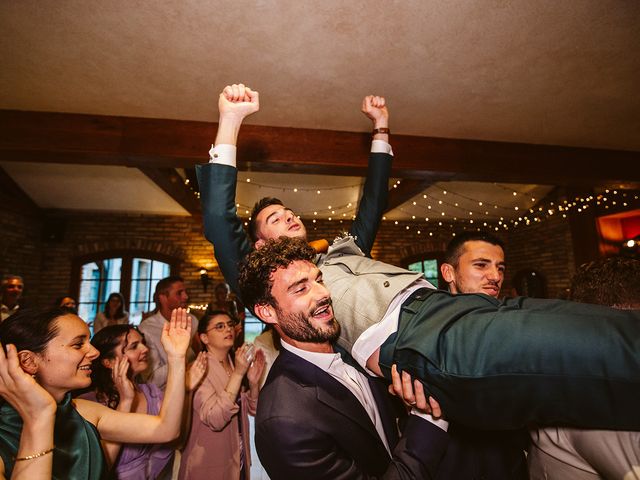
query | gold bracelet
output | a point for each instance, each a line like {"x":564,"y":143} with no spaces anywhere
{"x":35,"y":455}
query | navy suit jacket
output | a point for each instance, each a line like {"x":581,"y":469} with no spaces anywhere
{"x":310,"y":426}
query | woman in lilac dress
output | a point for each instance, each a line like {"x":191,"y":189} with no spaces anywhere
{"x":123,"y":355}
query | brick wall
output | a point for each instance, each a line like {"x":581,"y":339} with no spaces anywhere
{"x":20,"y":248}
{"x":47,"y":265}
{"x":545,"y":247}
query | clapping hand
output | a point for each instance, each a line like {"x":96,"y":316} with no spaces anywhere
{"x":254,"y":374}
{"x":176,"y":333}
{"x":196,"y":371}
{"x":122,"y":382}
{"x":240,"y":359}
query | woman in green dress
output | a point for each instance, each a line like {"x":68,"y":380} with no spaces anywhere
{"x":46,"y":434}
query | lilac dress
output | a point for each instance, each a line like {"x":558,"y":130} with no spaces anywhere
{"x":144,"y":462}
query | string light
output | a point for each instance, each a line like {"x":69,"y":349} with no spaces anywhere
{"x":610,"y":198}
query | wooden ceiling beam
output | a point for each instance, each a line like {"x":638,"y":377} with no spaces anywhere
{"x":159,"y":143}
{"x":15,"y":198}
{"x":408,"y":189}
{"x":172,"y":183}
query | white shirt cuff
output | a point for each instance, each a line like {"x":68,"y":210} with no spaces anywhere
{"x":223,"y":154}
{"x":380,"y":146}
{"x":443,"y":424}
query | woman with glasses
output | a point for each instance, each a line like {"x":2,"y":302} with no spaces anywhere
{"x":218,"y":445}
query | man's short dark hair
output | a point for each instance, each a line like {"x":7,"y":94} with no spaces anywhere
{"x":456,"y":246}
{"x":257,"y":208}
{"x":256,"y":269}
{"x":164,"y":285}
{"x":613,"y":281}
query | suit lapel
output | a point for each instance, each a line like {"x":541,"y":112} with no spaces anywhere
{"x":380,"y":394}
{"x":329,"y":391}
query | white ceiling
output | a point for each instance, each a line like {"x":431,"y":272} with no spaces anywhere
{"x":90,"y":187}
{"x":534,"y":71}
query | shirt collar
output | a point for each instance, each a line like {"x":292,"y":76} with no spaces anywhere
{"x":320,"y":360}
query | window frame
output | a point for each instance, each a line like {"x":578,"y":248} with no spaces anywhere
{"x":127,"y":256}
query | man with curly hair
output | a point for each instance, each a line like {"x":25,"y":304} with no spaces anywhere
{"x":319,"y":416}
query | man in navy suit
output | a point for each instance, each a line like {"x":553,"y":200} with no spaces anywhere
{"x":318,"y":415}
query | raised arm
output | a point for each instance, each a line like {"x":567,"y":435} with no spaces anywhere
{"x":140,"y":428}
{"x":375,"y":191}
{"x":217,"y":181}
{"x":375,"y":108}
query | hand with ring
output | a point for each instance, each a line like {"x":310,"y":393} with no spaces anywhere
{"x":412,"y":393}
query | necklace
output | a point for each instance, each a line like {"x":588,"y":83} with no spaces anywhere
{"x":227,"y":371}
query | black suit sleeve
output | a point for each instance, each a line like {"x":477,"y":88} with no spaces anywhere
{"x":373,"y":201}
{"x":303,"y":451}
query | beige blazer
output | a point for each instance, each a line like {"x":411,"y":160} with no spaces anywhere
{"x":213,"y":445}
{"x":361,"y":288}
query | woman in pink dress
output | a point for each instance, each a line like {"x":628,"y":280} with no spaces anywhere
{"x":218,"y":444}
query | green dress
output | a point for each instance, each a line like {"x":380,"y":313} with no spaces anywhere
{"x":77,"y":454}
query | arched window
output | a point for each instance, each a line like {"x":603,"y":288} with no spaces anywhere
{"x":133,"y":274}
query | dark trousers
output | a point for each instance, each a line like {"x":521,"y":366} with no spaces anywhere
{"x":503,"y":365}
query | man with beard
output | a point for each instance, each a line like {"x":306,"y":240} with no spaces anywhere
{"x":319,"y":416}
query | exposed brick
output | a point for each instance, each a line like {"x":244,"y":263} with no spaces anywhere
{"x":46,"y":267}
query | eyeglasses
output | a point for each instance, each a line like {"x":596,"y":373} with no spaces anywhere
{"x":222,"y":326}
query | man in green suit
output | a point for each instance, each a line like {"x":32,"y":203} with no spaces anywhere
{"x":522,"y":360}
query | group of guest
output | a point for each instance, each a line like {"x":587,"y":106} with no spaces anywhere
{"x":112,"y":314}
{"x":221,"y":385}
{"x":222,"y":390}
{"x":44,"y":433}
{"x":493,"y":364}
